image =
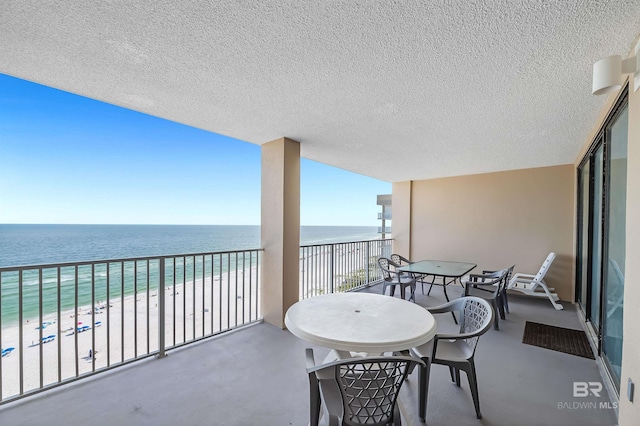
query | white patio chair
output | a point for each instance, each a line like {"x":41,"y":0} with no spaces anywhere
{"x":534,"y":285}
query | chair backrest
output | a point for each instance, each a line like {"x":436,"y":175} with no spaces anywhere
{"x":507,"y":278}
{"x":476,"y":318}
{"x":386,"y":265}
{"x":369,"y":387}
{"x":545,"y":267}
{"x":497,"y":278}
{"x":399,"y":259}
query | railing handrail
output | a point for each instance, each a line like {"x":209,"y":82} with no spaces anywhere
{"x":123,"y":259}
{"x":345,"y":242}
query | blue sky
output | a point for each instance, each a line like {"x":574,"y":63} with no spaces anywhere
{"x":69,"y":159}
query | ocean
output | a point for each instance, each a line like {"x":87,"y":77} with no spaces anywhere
{"x":42,"y":244}
{"x":46,"y":244}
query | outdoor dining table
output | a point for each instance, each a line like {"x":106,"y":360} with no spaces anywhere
{"x":447,"y":271}
{"x":360,"y":323}
{"x":356,"y":324}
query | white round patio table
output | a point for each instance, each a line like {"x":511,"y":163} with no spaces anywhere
{"x":360,"y":322}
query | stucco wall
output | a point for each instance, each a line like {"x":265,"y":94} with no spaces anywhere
{"x":499,"y":219}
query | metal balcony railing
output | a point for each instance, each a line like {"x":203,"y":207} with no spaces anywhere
{"x":62,"y":322}
{"x":67,"y":321}
{"x":339,"y":267}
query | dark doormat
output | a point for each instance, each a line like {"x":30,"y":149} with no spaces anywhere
{"x":569,"y":341}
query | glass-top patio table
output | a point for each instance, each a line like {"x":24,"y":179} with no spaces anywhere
{"x":447,"y":271}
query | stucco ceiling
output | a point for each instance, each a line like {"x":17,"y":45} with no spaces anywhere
{"x":394,"y":90}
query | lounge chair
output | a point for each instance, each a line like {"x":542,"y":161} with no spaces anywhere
{"x":49,"y":338}
{"x":534,"y":285}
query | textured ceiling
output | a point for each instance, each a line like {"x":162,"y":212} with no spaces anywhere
{"x":396,"y":90}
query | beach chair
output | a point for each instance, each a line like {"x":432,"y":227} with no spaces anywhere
{"x":7,"y":351}
{"x":534,"y":285}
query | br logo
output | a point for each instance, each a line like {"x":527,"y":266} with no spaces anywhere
{"x":583,"y":389}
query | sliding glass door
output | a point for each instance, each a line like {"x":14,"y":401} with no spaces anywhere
{"x":596,"y":244}
{"x":602,"y":186}
{"x":584,"y":181}
{"x":616,"y":239}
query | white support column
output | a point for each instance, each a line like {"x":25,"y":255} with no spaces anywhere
{"x":280,"y":228}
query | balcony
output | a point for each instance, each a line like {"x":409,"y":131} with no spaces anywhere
{"x":449,"y":193}
{"x":256,"y":375}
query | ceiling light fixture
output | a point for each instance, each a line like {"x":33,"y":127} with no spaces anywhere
{"x":608,"y":72}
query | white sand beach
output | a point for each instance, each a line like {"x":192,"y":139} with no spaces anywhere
{"x":192,"y":311}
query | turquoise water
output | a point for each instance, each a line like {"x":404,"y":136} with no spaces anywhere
{"x":47,"y":244}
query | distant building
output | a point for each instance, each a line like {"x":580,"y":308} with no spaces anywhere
{"x":385,"y":215}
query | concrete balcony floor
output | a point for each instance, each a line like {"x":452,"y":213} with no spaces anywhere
{"x":256,"y":376}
